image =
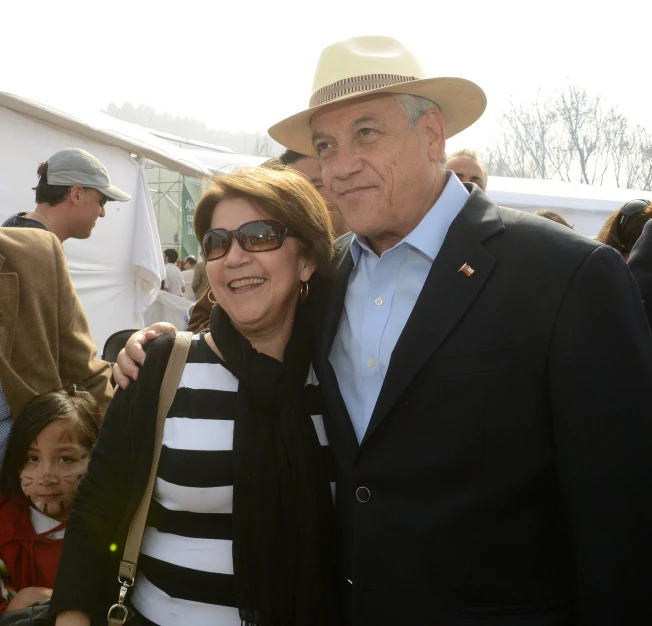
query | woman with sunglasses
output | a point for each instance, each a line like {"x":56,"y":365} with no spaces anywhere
{"x":241,"y":525}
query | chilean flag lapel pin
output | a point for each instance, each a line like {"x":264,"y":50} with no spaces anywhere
{"x":466,"y":269}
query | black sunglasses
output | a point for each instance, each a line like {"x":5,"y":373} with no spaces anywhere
{"x":631,"y":208}
{"x":257,"y":236}
{"x":103,"y":200}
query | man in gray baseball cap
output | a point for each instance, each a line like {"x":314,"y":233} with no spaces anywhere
{"x":71,"y":193}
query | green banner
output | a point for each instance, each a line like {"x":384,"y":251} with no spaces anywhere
{"x":190,"y":194}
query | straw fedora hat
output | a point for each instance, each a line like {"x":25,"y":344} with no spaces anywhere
{"x":366,"y":65}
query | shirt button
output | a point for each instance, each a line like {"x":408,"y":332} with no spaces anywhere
{"x":363,"y":494}
{"x":371,"y":362}
{"x":379,"y":301}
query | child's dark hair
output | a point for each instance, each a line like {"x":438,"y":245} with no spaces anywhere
{"x":72,"y":404}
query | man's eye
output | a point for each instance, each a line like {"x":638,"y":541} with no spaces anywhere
{"x":365,"y":132}
{"x":66,"y":459}
{"x":322,"y":146}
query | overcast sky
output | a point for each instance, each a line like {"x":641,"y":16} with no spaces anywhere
{"x":245,"y":65}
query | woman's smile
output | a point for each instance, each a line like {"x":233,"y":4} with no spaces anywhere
{"x":243,"y":285}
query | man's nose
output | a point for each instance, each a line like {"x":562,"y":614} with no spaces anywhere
{"x":346,"y":162}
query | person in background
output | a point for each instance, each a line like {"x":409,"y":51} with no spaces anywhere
{"x":309,"y":167}
{"x":200,"y":278}
{"x":623,"y":227}
{"x":71,"y":193}
{"x":48,"y":454}
{"x":640,"y":264}
{"x":173,"y":282}
{"x":188,"y":274}
{"x":241,"y":528}
{"x":552,"y":216}
{"x":468,"y":167}
{"x":45,"y":339}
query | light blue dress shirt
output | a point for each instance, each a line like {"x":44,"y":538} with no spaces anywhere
{"x":381,"y":294}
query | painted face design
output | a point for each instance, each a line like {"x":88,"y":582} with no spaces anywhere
{"x":55,"y":463}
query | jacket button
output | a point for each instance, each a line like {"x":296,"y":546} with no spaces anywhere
{"x":363,"y":494}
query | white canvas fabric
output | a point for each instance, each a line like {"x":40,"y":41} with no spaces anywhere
{"x":117,"y":272}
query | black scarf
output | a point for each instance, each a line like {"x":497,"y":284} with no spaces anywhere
{"x":283,"y":514}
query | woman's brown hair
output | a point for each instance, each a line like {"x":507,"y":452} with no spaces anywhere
{"x":552,"y":216}
{"x":623,"y":234}
{"x":284,"y":195}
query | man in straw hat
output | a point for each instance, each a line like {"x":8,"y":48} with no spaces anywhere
{"x":487,"y":374}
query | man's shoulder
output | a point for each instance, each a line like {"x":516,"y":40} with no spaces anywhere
{"x":524,"y":231}
{"x":532,"y":229}
{"x":18,"y":220}
{"x":20,"y":239}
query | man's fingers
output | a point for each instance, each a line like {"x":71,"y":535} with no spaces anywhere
{"x":126,"y":367}
{"x":120,"y":379}
{"x":133,"y":350}
{"x":160,"y":328}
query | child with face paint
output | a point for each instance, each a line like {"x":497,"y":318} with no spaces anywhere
{"x":47,"y":456}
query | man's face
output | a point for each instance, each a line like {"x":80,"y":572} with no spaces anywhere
{"x":467,"y":170}
{"x":310,"y":168}
{"x":378,"y":171}
{"x":89,"y":207}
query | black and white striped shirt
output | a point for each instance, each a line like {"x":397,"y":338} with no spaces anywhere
{"x":186,"y":564}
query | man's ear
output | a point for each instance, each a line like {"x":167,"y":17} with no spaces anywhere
{"x":76,"y":194}
{"x":435,"y":127}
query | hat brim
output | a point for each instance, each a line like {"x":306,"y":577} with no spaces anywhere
{"x":460,"y":101}
{"x":114,"y":194}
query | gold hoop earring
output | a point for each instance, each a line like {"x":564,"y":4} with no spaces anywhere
{"x":304,"y":290}
{"x":210,"y":293}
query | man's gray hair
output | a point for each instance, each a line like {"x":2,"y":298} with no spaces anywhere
{"x":414,"y":107}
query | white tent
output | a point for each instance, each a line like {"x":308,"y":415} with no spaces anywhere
{"x":222,"y":162}
{"x":117,"y":272}
{"x":585,"y":207}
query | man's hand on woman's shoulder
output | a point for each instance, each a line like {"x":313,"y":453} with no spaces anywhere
{"x":126,"y":367}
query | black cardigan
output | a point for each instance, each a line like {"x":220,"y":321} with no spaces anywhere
{"x":109,"y":494}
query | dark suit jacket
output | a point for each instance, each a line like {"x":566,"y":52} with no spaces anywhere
{"x":509,"y":454}
{"x":640,"y":263}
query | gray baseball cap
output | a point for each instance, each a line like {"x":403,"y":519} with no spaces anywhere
{"x":73,"y":166}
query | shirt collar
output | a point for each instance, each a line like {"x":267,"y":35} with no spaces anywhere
{"x":430,"y":233}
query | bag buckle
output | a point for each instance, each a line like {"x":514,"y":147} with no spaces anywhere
{"x":120,"y":607}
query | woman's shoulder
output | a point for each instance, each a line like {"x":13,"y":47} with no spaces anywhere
{"x":205,"y":370}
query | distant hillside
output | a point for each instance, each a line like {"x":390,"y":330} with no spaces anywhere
{"x":257,"y":144}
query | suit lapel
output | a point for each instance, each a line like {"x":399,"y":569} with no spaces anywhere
{"x":330,"y":304}
{"x":8,"y":311}
{"x":444,"y":299}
